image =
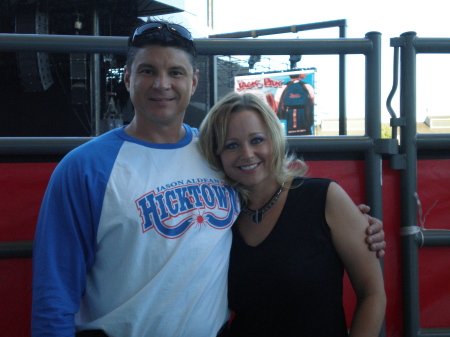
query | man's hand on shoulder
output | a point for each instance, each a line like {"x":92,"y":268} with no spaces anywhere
{"x":375,"y":232}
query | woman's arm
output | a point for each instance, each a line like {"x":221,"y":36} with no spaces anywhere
{"x":348,"y":228}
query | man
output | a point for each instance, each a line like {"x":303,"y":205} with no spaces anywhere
{"x":134,"y":235}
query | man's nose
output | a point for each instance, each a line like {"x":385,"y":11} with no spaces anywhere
{"x":161,"y":82}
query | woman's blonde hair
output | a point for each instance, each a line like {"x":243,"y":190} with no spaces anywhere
{"x":213,"y":131}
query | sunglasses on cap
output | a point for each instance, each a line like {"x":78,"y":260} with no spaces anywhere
{"x":153,"y":27}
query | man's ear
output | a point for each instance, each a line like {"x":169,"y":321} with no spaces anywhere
{"x":195,"y":81}
{"x":126,"y":77}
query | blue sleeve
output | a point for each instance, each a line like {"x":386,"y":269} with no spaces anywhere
{"x":194,"y":131}
{"x":65,"y":240}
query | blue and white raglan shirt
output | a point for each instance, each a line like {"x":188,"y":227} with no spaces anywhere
{"x":140,"y":233}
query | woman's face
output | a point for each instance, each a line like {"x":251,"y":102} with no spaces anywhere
{"x":248,"y":150}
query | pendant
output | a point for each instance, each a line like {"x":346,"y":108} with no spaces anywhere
{"x":257,"y":217}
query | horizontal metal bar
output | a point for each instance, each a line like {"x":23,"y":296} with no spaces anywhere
{"x":425,"y":45}
{"x":283,"y":46}
{"x":430,"y":141}
{"x":39,"y":145}
{"x":62,"y":145}
{"x":24,"y":249}
{"x":63,"y":43}
{"x":281,"y":30}
{"x":16,"y":249}
{"x":118,"y":45}
{"x":432,"y":45}
{"x":436,"y":238}
{"x":330,"y":144}
{"x":435,"y":332}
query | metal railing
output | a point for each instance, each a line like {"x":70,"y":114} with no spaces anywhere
{"x":369,"y":46}
{"x":403,"y":157}
{"x":413,"y":237}
{"x":368,"y":145}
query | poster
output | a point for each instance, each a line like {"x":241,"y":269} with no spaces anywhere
{"x":289,"y":94}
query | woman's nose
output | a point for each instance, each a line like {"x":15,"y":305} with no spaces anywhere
{"x":247,"y":152}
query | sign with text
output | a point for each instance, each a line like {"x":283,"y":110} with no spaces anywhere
{"x":289,"y":94}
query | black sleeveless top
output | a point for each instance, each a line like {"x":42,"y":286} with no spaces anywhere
{"x":291,"y":284}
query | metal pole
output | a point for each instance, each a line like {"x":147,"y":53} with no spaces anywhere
{"x":408,"y":184}
{"x":342,"y":86}
{"x":282,"y":46}
{"x":282,"y":30}
{"x":16,"y":250}
{"x":118,"y":45}
{"x":433,"y":141}
{"x":40,"y":145}
{"x":96,"y":79}
{"x":64,"y":43}
{"x":357,"y":144}
{"x":373,"y":124}
{"x":373,"y":167}
{"x":212,"y":62}
{"x":433,"y":45}
{"x":435,"y":238}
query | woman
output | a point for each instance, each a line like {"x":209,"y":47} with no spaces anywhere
{"x":294,"y":236}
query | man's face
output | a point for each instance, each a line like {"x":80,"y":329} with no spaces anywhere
{"x":161,"y":82}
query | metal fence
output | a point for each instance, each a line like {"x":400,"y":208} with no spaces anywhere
{"x":413,"y":236}
{"x":403,"y":157}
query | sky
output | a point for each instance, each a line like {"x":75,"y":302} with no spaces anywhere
{"x":391,"y":18}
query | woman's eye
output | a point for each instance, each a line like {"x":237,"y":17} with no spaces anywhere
{"x":231,"y":146}
{"x":257,"y":140}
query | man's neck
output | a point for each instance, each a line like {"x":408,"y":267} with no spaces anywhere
{"x":156,"y":134}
